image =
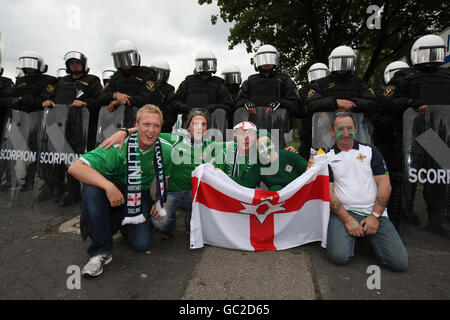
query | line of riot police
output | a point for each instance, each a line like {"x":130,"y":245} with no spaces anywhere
{"x":268,"y":98}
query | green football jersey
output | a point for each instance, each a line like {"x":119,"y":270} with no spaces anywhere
{"x":113,"y":162}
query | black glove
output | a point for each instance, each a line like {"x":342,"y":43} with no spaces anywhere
{"x":274,"y":105}
{"x":13,"y":103}
{"x":249,"y":105}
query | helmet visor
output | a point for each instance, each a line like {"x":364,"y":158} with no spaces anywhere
{"x":28,"y":62}
{"x":317,"y":74}
{"x":162,"y":75}
{"x":427,"y":55}
{"x":266,"y":58}
{"x":125,"y":59}
{"x":232,"y":78}
{"x":209,"y":65}
{"x":73,"y":55}
{"x":390,"y":74}
{"x":345,"y":63}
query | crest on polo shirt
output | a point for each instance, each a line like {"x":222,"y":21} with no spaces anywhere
{"x":288,"y":168}
{"x":361,"y":157}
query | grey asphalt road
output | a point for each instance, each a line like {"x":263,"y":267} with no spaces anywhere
{"x":35,"y":257}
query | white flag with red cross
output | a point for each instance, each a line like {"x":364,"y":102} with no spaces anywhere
{"x":228,"y":215}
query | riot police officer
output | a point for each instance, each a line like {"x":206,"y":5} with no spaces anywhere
{"x":232,"y":77}
{"x":341,"y":90}
{"x":5,"y":83}
{"x":204,"y":91}
{"x":268,"y":90}
{"x":423,"y":85}
{"x":78,"y":89}
{"x":162,"y":70}
{"x":34,"y":87}
{"x":28,"y":94}
{"x":315,"y":72}
{"x":387,"y":138}
{"x":106,"y":75}
{"x":131,"y":85}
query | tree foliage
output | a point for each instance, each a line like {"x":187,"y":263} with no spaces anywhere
{"x":305,"y":32}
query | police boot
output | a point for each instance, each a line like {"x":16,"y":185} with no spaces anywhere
{"x":29,"y":179}
{"x":408,"y":212}
{"x":73,"y":194}
{"x":45,"y":192}
{"x":5,"y":187}
{"x":440,"y":227}
{"x":437,"y":210}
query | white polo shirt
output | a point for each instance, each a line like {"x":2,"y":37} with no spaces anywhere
{"x":353,"y":174}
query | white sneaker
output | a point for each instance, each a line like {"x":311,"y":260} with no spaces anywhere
{"x":95,"y":265}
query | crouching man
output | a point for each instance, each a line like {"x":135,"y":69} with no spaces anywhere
{"x":111,"y":176}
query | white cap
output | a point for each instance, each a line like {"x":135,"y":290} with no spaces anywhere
{"x":245,"y":125}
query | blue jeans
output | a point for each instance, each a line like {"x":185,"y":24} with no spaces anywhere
{"x":103,"y":221}
{"x":174,"y":201}
{"x":386,"y":243}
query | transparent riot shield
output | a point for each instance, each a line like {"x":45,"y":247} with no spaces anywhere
{"x":63,"y":141}
{"x":178,"y":124}
{"x":110,"y":122}
{"x":19,"y":153}
{"x":426,"y":159}
{"x":322,"y":122}
{"x":219,"y":120}
{"x":261,"y":119}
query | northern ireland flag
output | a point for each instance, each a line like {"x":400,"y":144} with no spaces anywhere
{"x":228,"y":215}
{"x":134,"y":199}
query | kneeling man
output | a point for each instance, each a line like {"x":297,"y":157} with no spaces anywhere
{"x":359,"y":192}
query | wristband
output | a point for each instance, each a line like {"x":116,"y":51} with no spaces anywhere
{"x":376,"y":215}
{"x":126,"y":130}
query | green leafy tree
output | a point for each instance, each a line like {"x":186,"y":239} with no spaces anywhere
{"x":305,"y":32}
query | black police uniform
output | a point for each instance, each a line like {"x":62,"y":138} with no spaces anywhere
{"x":138,"y":82}
{"x":33,"y":89}
{"x":27,"y":95}
{"x":167,"y":93}
{"x":86,"y":88}
{"x":421,"y":85}
{"x":305,"y":130}
{"x":262,"y":90}
{"x":5,"y":84}
{"x":385,"y":132}
{"x":210,"y":94}
{"x":323,"y":95}
{"x":234,"y":90}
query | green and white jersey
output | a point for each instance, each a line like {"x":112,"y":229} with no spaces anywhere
{"x":237,"y":165}
{"x":114,"y":162}
{"x":186,"y":156}
{"x":290,"y":166}
{"x":275,"y":175}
